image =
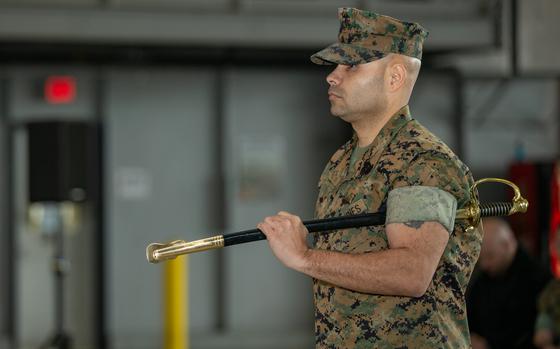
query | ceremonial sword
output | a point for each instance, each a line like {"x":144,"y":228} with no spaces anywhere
{"x":472,"y":213}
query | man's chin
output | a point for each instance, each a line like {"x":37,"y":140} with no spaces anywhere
{"x":339,"y":115}
{"x":337,"y":112}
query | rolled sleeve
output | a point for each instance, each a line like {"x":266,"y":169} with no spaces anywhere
{"x":421,"y":203}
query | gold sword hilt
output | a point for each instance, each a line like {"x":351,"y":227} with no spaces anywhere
{"x":474,"y":211}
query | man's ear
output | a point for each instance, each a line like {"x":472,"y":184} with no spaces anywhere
{"x":397,"y":76}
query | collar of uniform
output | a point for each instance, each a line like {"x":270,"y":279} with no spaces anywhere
{"x":398,"y":120}
{"x":369,"y":159}
{"x":339,"y":164}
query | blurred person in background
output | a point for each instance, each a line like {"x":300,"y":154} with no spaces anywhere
{"x":547,"y":327}
{"x":502,"y":297}
{"x":399,"y":285}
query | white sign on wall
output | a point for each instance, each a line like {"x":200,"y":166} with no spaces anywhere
{"x":133,"y":183}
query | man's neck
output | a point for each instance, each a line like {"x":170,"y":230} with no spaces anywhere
{"x":367,"y":128}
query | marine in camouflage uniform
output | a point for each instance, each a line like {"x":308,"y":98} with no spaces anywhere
{"x":547,"y":326}
{"x":403,"y":154}
{"x":406,"y":171}
{"x":549,"y":310}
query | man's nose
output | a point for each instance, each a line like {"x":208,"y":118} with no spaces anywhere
{"x":334,"y":78}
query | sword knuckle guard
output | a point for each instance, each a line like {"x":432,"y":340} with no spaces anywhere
{"x":501,"y":209}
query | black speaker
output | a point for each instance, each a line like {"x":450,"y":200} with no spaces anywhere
{"x":63,"y":161}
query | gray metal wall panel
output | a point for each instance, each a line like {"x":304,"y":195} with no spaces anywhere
{"x":4,"y":220}
{"x":277,"y":119}
{"x":505,"y":120}
{"x":433,"y":105}
{"x":538,"y":32}
{"x":158,"y":145}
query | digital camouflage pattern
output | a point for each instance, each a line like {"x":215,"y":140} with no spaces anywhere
{"x":549,"y":306}
{"x":366,"y":36}
{"x":403,"y":154}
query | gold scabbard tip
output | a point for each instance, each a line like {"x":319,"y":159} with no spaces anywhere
{"x":157,"y":252}
{"x":150,"y":252}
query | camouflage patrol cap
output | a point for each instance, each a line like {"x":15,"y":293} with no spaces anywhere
{"x":366,"y":36}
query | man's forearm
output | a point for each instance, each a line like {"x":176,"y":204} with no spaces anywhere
{"x":406,"y":268}
{"x":389,"y":272}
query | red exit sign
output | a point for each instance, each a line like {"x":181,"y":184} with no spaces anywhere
{"x":60,"y":89}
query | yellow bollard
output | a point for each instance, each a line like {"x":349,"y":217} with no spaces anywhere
{"x":176,"y":324}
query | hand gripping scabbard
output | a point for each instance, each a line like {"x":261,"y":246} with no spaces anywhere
{"x":471,"y":213}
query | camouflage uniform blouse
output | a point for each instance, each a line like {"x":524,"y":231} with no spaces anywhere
{"x":549,"y":308}
{"x":403,"y":154}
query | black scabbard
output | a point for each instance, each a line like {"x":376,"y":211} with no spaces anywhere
{"x":316,"y":225}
